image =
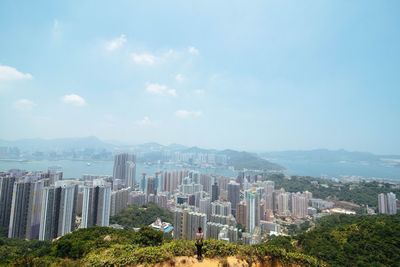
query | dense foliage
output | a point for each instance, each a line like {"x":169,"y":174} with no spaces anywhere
{"x":73,"y":247}
{"x":129,"y":255}
{"x":363,"y":193}
{"x":338,"y":240}
{"x":12,"y":250}
{"x":344,"y":240}
{"x":135,"y":216}
{"x":101,"y":246}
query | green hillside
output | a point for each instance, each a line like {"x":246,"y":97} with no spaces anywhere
{"x":135,"y":217}
{"x":341,"y":240}
{"x":345,"y":240}
{"x":101,"y":246}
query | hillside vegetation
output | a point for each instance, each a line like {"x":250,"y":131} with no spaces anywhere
{"x":135,"y":217}
{"x":101,"y":246}
{"x":340,"y":240}
{"x":344,"y":240}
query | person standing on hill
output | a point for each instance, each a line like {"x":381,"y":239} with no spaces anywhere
{"x":199,"y":243}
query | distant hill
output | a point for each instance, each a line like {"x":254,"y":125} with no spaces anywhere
{"x":245,"y":160}
{"x":325,"y":155}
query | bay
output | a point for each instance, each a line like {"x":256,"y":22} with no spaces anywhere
{"x":75,"y":169}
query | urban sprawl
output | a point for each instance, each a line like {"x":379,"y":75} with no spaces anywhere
{"x":246,"y":208}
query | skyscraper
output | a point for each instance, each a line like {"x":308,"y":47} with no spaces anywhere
{"x":6,"y":193}
{"x":55,"y":174}
{"x":214,"y":192}
{"x":96,"y":205}
{"x":58,"y":210}
{"x":26,"y":208}
{"x":282,"y":203}
{"x":119,"y":201}
{"x":137,"y":198}
{"x":205,"y":180}
{"x":253,"y":210}
{"x":269,"y":187}
{"x":171,"y":180}
{"x":299,"y":205}
{"x":125,"y":169}
{"x":387,"y":203}
{"x":233,"y":195}
{"x":382,"y":203}
{"x":221,"y":208}
{"x":151,"y":185}
{"x":391,"y":203}
{"x":241,"y":213}
{"x":186,"y":223}
{"x":205,"y":206}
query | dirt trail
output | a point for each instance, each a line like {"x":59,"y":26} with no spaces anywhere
{"x":226,"y":262}
{"x":192,"y":261}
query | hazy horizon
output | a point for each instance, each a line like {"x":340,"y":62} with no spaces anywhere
{"x":123,"y":143}
{"x":259,"y":76}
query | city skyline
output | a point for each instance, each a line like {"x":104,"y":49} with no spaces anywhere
{"x":265,"y":76}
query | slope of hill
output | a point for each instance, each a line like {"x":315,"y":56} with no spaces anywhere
{"x":339,"y":240}
{"x":345,"y":240}
{"x":101,"y":246}
{"x":245,"y":160}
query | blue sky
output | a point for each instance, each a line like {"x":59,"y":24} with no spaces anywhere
{"x":254,"y":75}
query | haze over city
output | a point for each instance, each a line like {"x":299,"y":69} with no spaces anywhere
{"x":260,"y":76}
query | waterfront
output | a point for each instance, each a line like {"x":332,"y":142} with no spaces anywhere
{"x":75,"y":169}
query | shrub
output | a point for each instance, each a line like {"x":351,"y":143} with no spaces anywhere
{"x":217,"y":248}
{"x":146,"y":236}
{"x":122,"y":255}
{"x":180,"y":247}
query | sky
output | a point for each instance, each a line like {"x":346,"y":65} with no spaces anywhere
{"x":251,"y":75}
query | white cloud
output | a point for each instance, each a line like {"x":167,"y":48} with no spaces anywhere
{"x":187,"y":114}
{"x":144,"y":58}
{"x":160,"y":89}
{"x":147,"y":58}
{"x":193,"y":50}
{"x":179,"y":78}
{"x":74,"y":100}
{"x":199,"y":91}
{"x":8,"y":73}
{"x":146,"y":121}
{"x":116,"y":43}
{"x":24,"y":105}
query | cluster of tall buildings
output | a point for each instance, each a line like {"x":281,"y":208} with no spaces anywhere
{"x":229,"y":206}
{"x":44,"y":206}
